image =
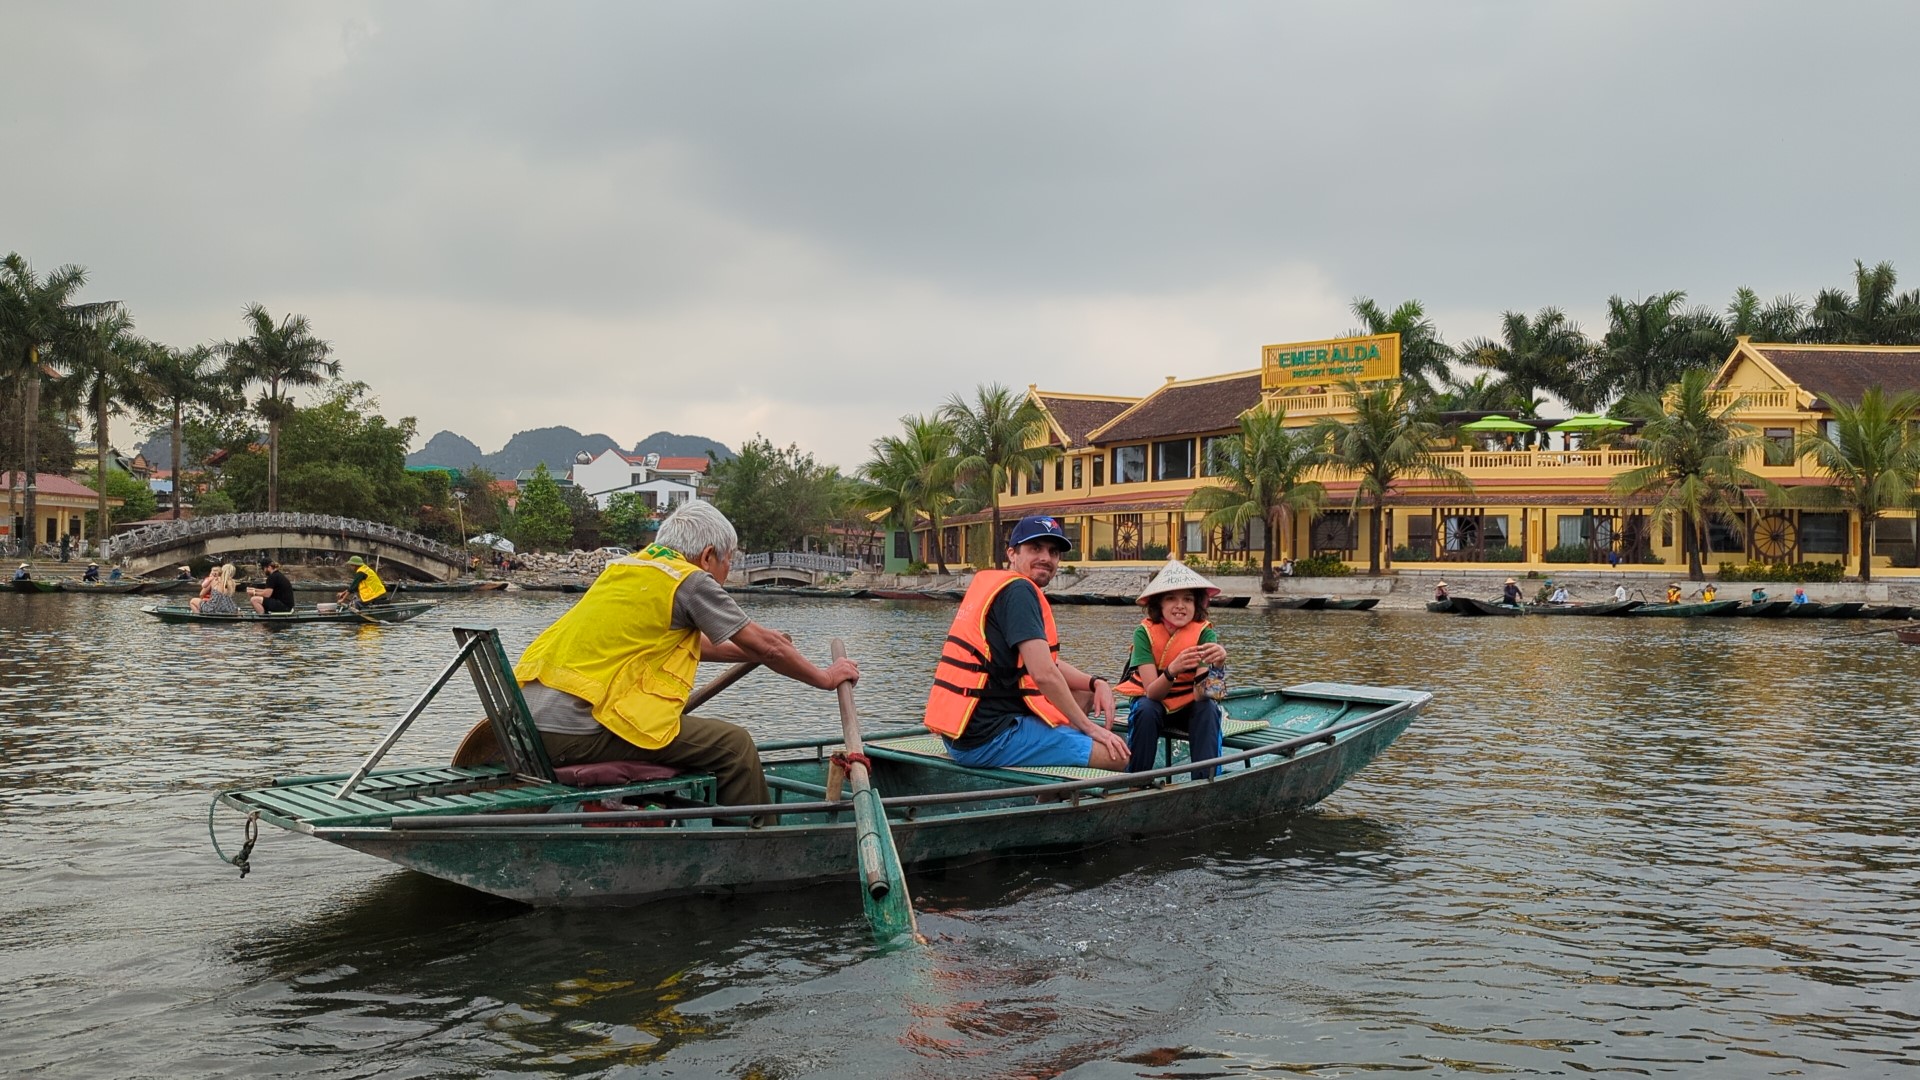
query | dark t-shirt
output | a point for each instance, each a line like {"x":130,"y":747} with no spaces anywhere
{"x":1013,"y":617}
{"x":282,"y":586}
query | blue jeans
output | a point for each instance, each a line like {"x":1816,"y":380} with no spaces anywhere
{"x":1201,"y":718}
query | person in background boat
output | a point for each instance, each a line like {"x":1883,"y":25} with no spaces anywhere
{"x":22,"y":573}
{"x":1001,"y":694}
{"x":218,"y":599}
{"x":1544,"y":592}
{"x":1510,"y":592}
{"x":365,"y":589}
{"x":277,"y":597}
{"x":1620,"y":592}
{"x":609,"y":679}
{"x":185,"y":574}
{"x":1560,"y":596}
{"x":1440,"y":594}
{"x":92,"y":573}
{"x":1708,"y":592}
{"x":1799,"y":595}
{"x":1673,"y":592}
{"x":1757,"y":596}
{"x":1172,"y":649}
{"x":113,"y":574}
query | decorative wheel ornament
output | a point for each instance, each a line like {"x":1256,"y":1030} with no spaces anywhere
{"x":1773,"y":537}
{"x":1126,"y":539}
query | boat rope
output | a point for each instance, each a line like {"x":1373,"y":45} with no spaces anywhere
{"x":250,"y":834}
{"x":845,"y":761}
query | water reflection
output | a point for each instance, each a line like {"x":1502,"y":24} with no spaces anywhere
{"x":1609,"y":847}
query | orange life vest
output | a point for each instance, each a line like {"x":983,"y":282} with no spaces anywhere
{"x":1166,"y":645}
{"x":966,"y":663}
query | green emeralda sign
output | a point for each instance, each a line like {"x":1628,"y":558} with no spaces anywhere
{"x":1304,"y":363}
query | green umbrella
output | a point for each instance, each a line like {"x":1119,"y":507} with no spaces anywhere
{"x":1589,"y":422}
{"x":1497,"y":423}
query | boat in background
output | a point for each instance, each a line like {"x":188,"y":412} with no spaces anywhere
{"x":1609,"y":607}
{"x":375,"y":613}
{"x":1467,"y":605}
{"x":101,"y":587}
{"x":31,"y":586}
{"x":1688,"y":610}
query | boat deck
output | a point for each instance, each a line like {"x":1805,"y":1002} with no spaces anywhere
{"x":315,"y":801}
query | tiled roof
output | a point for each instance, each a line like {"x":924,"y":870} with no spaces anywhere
{"x":51,"y":484}
{"x":1188,"y":408}
{"x":683,"y":464}
{"x":1844,"y":374}
{"x":1078,"y":416}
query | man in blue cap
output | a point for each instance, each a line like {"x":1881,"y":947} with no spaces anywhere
{"x":1001,"y":694}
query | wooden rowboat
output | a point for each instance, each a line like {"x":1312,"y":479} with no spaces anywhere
{"x":1886,"y":611}
{"x":378,"y":613}
{"x":515,"y":830}
{"x":31,"y":586}
{"x":1766,"y":609}
{"x":1441,"y":607}
{"x":1323,"y":603}
{"x":101,"y":587}
{"x":1688,"y":610}
{"x":1610,"y":607}
{"x":1908,"y":636}
{"x":1467,"y":605}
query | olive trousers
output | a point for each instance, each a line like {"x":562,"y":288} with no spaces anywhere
{"x":715,"y":746}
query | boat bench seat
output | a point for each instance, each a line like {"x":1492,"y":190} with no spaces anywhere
{"x":396,"y":793}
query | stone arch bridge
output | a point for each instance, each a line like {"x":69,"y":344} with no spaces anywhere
{"x":169,"y":543}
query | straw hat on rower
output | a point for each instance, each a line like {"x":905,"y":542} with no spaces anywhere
{"x":1177,"y":576}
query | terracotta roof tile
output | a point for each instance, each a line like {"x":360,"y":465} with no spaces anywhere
{"x":50,"y":484}
{"x":1187,"y":409}
{"x":1079,"y":416}
{"x":1844,"y":374}
{"x":683,"y":464}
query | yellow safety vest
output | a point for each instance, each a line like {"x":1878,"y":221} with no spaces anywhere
{"x":371,"y":587}
{"x":617,"y":651}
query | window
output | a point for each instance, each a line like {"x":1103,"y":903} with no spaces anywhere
{"x":1036,"y":479}
{"x":1193,"y":538}
{"x":1823,"y":534}
{"x":1072,"y":529}
{"x":1781,"y":437}
{"x":1078,"y":480}
{"x":902,"y":544}
{"x":1495,"y":526}
{"x":1100,"y":471}
{"x":1129,"y":464}
{"x":1724,"y":535}
{"x":1574,"y":530}
{"x":1059,"y":474}
{"x":1173,"y":460}
{"x":1893,"y":537}
{"x":1216,"y":454}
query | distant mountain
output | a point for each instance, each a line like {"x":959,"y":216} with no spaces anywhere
{"x":667,"y":444}
{"x":447,"y":449}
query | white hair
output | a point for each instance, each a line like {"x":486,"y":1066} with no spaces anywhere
{"x":697,"y":526}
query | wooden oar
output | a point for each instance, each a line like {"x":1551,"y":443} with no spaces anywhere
{"x":884,"y":884}
{"x":479,"y":747}
{"x":1880,"y":630}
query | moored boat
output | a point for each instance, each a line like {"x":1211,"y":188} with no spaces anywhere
{"x":1766,"y":609}
{"x":1467,"y":605}
{"x":517,"y":830}
{"x":898,"y":594}
{"x":1441,"y":607}
{"x":35,"y":585}
{"x":1846,"y":609}
{"x":1808,"y":610}
{"x":399,"y":611}
{"x":1908,"y":635}
{"x":1222,"y":601}
{"x":1886,"y":611}
{"x":1299,"y":603}
{"x":1688,"y":610}
{"x":1609,"y":607}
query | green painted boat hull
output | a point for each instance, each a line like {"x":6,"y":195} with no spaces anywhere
{"x":380,"y":613}
{"x":1687,"y":611}
{"x":569,"y":863}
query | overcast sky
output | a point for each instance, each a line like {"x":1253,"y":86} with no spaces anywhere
{"x":806,"y":220}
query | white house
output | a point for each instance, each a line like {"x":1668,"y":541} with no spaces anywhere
{"x":663,"y":483}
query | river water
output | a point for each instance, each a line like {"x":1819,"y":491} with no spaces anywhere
{"x":1611,"y":846}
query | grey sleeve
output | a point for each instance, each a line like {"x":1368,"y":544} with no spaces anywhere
{"x":701,"y":604}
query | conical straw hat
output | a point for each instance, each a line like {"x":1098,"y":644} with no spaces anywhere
{"x":1176,"y":576}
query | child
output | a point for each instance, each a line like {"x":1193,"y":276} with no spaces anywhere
{"x":1172,"y":650}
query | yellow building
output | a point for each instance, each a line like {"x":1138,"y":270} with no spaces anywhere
{"x":1127,"y":465}
{"x":60,"y":504}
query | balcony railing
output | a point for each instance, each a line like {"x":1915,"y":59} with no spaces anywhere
{"x":1609,"y":460}
{"x":1755,"y":399}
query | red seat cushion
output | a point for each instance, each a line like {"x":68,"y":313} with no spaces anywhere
{"x":612,"y":773}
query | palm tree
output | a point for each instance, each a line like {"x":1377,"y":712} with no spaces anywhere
{"x":997,"y":436}
{"x":1486,"y":393}
{"x":279,"y":357}
{"x":182,"y":378}
{"x":106,"y":365}
{"x":1423,"y":356}
{"x":1695,"y":454}
{"x":1649,"y":342}
{"x":37,"y":313}
{"x":1783,"y":320}
{"x":1874,"y":315}
{"x":1261,"y":477}
{"x":1871,"y":455}
{"x":1392,"y":436}
{"x":911,"y":474}
{"x":1547,"y":352}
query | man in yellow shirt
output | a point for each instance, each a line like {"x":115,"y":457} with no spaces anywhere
{"x":608,"y":680}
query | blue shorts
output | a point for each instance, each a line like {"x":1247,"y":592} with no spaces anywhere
{"x":1030,"y":741}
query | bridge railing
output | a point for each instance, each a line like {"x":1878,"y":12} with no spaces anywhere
{"x":166,"y":534}
{"x":799,"y":560}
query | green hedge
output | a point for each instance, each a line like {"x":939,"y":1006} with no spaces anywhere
{"x":1321,"y":566}
{"x":1403,"y":553}
{"x":1503,"y":553}
{"x":1783,"y":572}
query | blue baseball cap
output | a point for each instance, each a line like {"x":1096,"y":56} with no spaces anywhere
{"x":1035,"y":528}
